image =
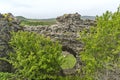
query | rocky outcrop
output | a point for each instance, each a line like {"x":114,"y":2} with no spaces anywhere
{"x":66,"y":31}
{"x":8,"y":23}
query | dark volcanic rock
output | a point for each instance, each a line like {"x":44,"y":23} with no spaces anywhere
{"x":7,"y":24}
{"x":69,"y":19}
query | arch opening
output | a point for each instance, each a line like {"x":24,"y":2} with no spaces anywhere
{"x":69,"y":58}
{"x":65,"y":48}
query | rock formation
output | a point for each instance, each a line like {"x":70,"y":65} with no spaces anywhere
{"x":66,"y":31}
{"x":8,"y":23}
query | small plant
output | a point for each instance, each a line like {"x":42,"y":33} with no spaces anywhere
{"x":69,"y":61}
{"x":35,"y":57}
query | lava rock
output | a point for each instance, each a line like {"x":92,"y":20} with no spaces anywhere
{"x":6,"y":26}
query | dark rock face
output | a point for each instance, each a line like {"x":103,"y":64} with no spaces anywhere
{"x":66,"y":31}
{"x":7,"y":24}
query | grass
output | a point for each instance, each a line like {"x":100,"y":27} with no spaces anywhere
{"x":69,"y":62}
{"x":36,"y":23}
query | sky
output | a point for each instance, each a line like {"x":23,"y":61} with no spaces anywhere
{"x":43,"y":9}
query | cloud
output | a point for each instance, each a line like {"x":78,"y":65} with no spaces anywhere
{"x":53,"y":8}
{"x":15,"y":3}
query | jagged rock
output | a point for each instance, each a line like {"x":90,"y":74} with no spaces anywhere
{"x":7,"y":24}
{"x":69,"y":19}
{"x":66,"y":31}
{"x":90,"y":22}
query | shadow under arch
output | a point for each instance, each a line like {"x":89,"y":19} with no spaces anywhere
{"x":65,"y":48}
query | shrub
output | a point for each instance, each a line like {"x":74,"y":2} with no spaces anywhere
{"x":35,"y":57}
{"x":101,"y":52}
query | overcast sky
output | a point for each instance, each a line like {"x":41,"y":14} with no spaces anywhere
{"x":53,"y":8}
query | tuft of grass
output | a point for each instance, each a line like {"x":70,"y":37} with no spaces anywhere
{"x":69,"y":62}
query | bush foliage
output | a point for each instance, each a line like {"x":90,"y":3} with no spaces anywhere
{"x":35,"y":57}
{"x":5,"y":76}
{"x":101,"y":52}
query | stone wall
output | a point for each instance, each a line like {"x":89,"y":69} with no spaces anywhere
{"x":8,"y":23}
{"x":66,"y":31}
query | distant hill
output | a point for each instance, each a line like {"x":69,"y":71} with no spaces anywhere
{"x":88,"y":17}
{"x":43,"y":20}
{"x":35,"y":22}
{"x":21,"y":18}
{"x":46,"y":20}
{"x":52,"y":19}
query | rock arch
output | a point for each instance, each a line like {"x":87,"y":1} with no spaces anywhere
{"x":66,"y":31}
{"x":66,"y":48}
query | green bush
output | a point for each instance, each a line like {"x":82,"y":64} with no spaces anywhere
{"x":101,"y":52}
{"x":35,"y":57}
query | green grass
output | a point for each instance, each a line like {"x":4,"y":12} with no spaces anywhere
{"x":36,"y":23}
{"x":69,"y":62}
{"x":6,"y":76}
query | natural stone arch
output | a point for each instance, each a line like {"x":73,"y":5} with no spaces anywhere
{"x":66,"y":48}
{"x":66,"y":31}
{"x":77,"y":65}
